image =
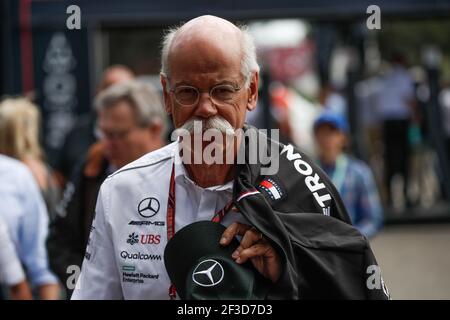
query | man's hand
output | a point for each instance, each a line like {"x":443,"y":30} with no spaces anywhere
{"x":254,"y":247}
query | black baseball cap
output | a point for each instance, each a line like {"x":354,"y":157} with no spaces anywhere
{"x":202,"y":269}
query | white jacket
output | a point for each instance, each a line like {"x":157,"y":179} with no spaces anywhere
{"x":124,"y":257}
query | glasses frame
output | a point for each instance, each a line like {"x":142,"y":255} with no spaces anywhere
{"x":210,"y":91}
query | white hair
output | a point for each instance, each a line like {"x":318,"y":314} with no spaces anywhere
{"x":216,"y":122}
{"x":249,"y":63}
{"x":143,"y":98}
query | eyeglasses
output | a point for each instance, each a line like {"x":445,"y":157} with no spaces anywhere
{"x":220,"y":94}
{"x":112,"y":134}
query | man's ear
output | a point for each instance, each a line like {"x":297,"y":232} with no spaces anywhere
{"x":253,"y":92}
{"x":166,"y":96}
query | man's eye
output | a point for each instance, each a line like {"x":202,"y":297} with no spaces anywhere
{"x":224,"y":93}
{"x":186,"y":91}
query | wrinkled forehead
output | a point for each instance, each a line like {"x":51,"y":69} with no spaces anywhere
{"x":206,"y":51}
{"x":209,"y":28}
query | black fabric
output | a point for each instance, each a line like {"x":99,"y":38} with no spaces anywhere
{"x":76,"y":144}
{"x":323,"y":256}
{"x":69,"y":231}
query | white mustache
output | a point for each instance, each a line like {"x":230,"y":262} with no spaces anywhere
{"x":197,"y":126}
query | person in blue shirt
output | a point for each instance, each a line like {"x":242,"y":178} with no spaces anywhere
{"x":352,"y":178}
{"x":12,"y":275}
{"x":23,"y":210}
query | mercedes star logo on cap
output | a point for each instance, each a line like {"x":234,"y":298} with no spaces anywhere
{"x":148,"y":207}
{"x":208,"y":273}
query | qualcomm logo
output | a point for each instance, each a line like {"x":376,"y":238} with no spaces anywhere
{"x":208,"y":273}
{"x":139,"y":256}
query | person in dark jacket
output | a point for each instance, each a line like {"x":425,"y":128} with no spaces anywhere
{"x":132,"y":123}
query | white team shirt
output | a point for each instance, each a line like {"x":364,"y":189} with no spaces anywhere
{"x":125,"y":253}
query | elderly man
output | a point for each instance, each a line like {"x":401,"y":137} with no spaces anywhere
{"x":210,"y":80}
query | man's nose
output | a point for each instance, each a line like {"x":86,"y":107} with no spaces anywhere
{"x":205,"y":107}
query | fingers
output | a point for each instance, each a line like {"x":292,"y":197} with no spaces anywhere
{"x":264,"y":259}
{"x":251,"y":236}
{"x":234,"y":229}
{"x":251,"y":244}
{"x":257,"y":250}
{"x":254,"y":247}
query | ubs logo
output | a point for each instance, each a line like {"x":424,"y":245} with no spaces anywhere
{"x":134,"y":238}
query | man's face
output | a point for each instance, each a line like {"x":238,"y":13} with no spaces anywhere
{"x":330,"y":142}
{"x":205,"y":65}
{"x":123,"y":140}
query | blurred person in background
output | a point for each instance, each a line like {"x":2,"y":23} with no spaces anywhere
{"x":332,"y":100}
{"x":23,"y":210}
{"x":19,"y":139}
{"x":352,"y":178}
{"x":444,"y":101}
{"x":12,"y":275}
{"x":397,"y":109}
{"x":131,"y":122}
{"x":280,"y":99}
{"x":82,"y":135}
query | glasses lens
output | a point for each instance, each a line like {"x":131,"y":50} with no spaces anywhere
{"x":186,"y":95}
{"x":223,"y":93}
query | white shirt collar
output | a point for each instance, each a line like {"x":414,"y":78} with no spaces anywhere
{"x":181,"y":175}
